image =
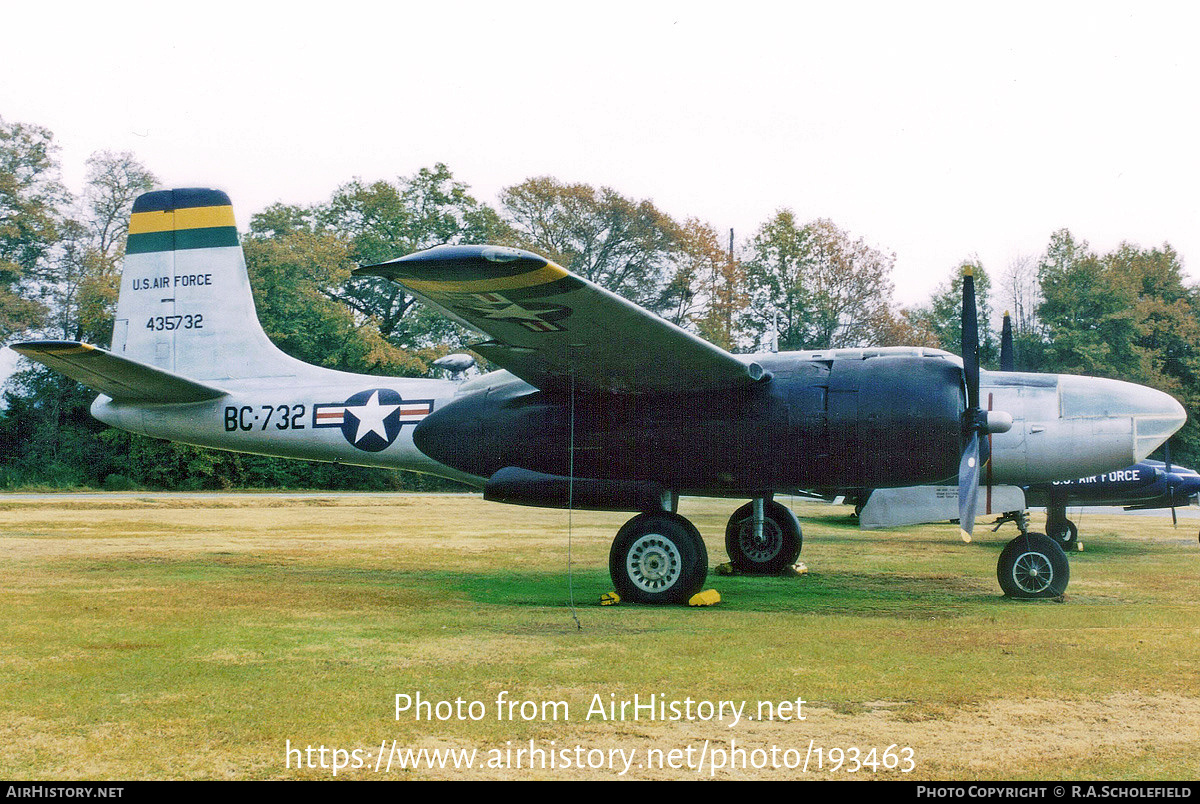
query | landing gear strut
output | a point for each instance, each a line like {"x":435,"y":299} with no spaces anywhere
{"x":763,"y":538}
{"x":658,"y":557}
{"x":1019,"y":518}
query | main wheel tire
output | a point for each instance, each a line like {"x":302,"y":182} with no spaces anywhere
{"x":1033,"y":566}
{"x":1063,"y":531}
{"x":780,"y":545}
{"x":658,"y":558}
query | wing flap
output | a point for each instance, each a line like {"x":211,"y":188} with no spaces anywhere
{"x":118,"y":377}
{"x":548,"y":325}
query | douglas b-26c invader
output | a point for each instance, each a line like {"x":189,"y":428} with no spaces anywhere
{"x":600,"y":404}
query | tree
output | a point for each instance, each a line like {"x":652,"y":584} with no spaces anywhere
{"x":291,"y":276}
{"x":49,"y":433}
{"x":85,"y":276}
{"x":300,"y":261}
{"x":776,"y":279}
{"x":629,"y":247}
{"x":382,"y":221}
{"x":1126,"y":315}
{"x":1166,"y":327}
{"x":850,"y":289}
{"x":1021,"y":296}
{"x":31,"y":214}
{"x":1165,"y":322}
{"x":816,"y":287}
{"x":719,"y":282}
{"x":1086,"y":319}
{"x":372,"y":223}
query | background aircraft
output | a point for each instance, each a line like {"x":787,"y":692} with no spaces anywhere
{"x":1143,"y":486}
{"x":600,"y":404}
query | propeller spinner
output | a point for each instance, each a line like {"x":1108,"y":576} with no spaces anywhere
{"x":976,"y":421}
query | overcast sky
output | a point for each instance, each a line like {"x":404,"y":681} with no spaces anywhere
{"x":934,"y":131}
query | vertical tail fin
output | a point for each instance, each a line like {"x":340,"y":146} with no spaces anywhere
{"x":185,"y":304}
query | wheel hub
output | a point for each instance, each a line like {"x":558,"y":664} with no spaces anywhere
{"x":762,"y":549}
{"x":1033,"y":572}
{"x":654,"y":563}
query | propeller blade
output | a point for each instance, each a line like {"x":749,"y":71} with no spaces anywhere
{"x":1007,"y":354}
{"x":970,"y":339}
{"x":969,"y":465}
{"x":1170,"y":486}
{"x":968,"y":487}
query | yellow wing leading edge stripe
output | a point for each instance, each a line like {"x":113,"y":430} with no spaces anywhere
{"x":540,"y":276}
{"x":72,"y":349}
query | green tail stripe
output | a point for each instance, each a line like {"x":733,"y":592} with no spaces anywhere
{"x":180,"y":239}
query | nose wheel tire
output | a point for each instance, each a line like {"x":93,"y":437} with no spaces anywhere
{"x":1033,"y":566}
{"x":658,"y":558}
{"x":778,"y":548}
{"x":1063,"y":531}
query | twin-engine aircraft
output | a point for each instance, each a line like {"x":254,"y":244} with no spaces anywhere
{"x":600,"y":404}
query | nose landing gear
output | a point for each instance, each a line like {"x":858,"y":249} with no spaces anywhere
{"x":1032,"y":567}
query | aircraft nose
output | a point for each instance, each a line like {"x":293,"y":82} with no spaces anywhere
{"x":1160,"y":417}
{"x":1155,"y":415}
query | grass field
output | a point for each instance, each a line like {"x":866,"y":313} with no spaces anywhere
{"x":201,"y":637}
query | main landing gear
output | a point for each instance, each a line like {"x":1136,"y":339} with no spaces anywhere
{"x":1034,"y":565}
{"x":763,"y":538}
{"x":659,"y":556}
{"x":1061,"y":529}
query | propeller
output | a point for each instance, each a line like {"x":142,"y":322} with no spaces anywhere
{"x":976,"y":421}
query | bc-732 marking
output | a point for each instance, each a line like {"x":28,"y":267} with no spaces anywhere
{"x":287,"y":417}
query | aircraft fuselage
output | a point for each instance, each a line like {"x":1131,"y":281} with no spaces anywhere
{"x":836,"y":419}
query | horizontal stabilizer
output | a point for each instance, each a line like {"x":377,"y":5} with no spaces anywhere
{"x":118,"y":377}
{"x":916,"y":505}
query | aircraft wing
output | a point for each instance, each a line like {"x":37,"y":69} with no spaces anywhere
{"x":118,"y":377}
{"x":547,"y":324}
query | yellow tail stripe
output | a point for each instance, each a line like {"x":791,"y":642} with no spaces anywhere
{"x":548,"y":273}
{"x":175,"y":220}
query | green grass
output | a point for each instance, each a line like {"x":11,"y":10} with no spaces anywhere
{"x":192,"y":638}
